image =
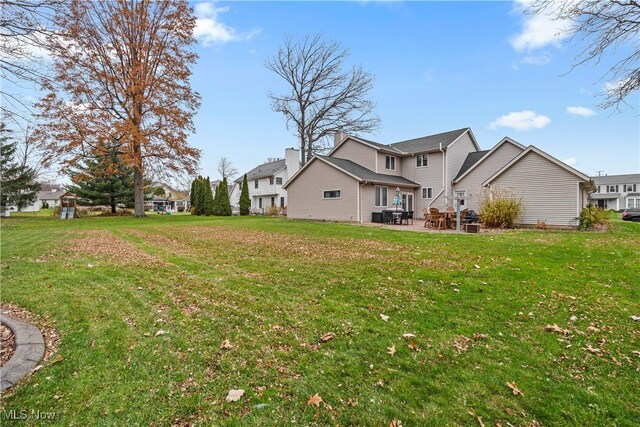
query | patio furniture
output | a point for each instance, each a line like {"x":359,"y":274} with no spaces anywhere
{"x":471,"y":228}
{"x":410,"y":217}
{"x":387,"y":216}
{"x":404,"y":218}
{"x":437,"y":218}
{"x":427,"y":218}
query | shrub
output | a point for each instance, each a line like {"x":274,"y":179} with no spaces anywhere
{"x":541,"y":225}
{"x":245,"y":201}
{"x":499,"y":207}
{"x":180,"y":208}
{"x":272,"y":210}
{"x":45,"y":205}
{"x":590,"y":217}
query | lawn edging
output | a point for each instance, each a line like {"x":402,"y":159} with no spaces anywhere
{"x":28,"y":352}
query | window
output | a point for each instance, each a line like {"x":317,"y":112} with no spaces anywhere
{"x":460,"y":194}
{"x":270,"y":180}
{"x":331,"y":194}
{"x":612,"y":188}
{"x":282,"y":202}
{"x":390,"y":163}
{"x":633,"y":203}
{"x":427,"y":192}
{"x":422,"y":160}
{"x":259,"y":202}
{"x":598,"y":189}
{"x":278,"y":181}
{"x":255,"y":184}
{"x":381,"y":196}
{"x":629,"y":187}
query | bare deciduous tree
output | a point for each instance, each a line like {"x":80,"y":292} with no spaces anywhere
{"x":226,"y":169}
{"x":24,"y":25}
{"x":602,"y":27}
{"x":323,"y":99}
{"x":121,"y":73}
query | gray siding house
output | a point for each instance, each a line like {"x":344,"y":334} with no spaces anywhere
{"x":616,"y":191}
{"x":359,"y":177}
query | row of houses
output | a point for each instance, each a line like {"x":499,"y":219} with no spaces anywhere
{"x":359,"y":177}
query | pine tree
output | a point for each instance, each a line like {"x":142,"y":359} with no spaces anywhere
{"x":245,"y":201}
{"x":225,"y":204}
{"x":192,"y":193}
{"x":208,"y":199}
{"x":104,"y":180}
{"x":200,"y":196}
{"x":17,"y":182}
{"x":217,"y":210}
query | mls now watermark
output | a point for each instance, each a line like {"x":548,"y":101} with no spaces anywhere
{"x":28,"y":414}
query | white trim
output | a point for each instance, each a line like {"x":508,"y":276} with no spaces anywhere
{"x":550,"y":158}
{"x":422,"y":192}
{"x":578,"y":207}
{"x":489,"y":153}
{"x":356,"y":139}
{"x":306,"y":165}
{"x":422,"y":156}
{"x":374,"y":196}
{"x":332,"y":198}
{"x":358,"y":207}
{"x":390,"y":156}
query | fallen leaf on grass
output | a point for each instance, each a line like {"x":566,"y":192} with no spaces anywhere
{"x":556,"y":328}
{"x":476,"y":265}
{"x":395,"y":423}
{"x":636,"y":352}
{"x":480,"y":422}
{"x":407,"y":336}
{"x":592,"y":350}
{"x":514,"y":388}
{"x":327,"y":337}
{"x":226,"y":345}
{"x":161,"y":332}
{"x":479,"y":336}
{"x":234,"y":395}
{"x":636,"y":318}
{"x":384,"y":317}
{"x":392,"y":350}
{"x":413,"y":346}
{"x":314,"y":400}
{"x":58,"y":358}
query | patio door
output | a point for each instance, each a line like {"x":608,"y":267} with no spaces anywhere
{"x":407,"y":202}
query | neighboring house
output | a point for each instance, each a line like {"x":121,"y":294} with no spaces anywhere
{"x":360,"y":177}
{"x":52,"y":198}
{"x":266,"y":182}
{"x":616,"y":191}
{"x":175,"y":200}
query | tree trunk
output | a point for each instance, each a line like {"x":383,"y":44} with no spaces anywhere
{"x":138,"y":192}
{"x":113,"y":205}
{"x":303,"y":158}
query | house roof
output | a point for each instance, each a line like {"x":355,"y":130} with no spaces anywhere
{"x":536,"y":150}
{"x":50,"y":195}
{"x":617,"y":179}
{"x":264,"y":170}
{"x":430,"y":142}
{"x":363,"y":174}
{"x":472,"y":159}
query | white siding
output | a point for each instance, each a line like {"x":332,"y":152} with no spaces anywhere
{"x":306,"y":194}
{"x":429,"y":176}
{"x":548,"y":191}
{"x":472,"y":182}
{"x":456,"y":154}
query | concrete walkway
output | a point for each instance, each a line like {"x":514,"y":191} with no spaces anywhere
{"x":29,"y":351}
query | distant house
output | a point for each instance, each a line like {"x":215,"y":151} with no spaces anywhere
{"x":617,"y":191}
{"x":50,"y":197}
{"x":360,"y":177}
{"x":266,"y":182}
{"x":173,"y":199}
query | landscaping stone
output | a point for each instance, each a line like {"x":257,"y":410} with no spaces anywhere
{"x":28,"y":352}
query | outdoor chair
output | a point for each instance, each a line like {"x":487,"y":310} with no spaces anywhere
{"x":404,"y":218}
{"x":427,"y":219}
{"x":410,"y":217}
{"x":436,"y":218}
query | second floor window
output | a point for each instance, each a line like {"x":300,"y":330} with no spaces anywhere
{"x":422,"y":160}
{"x":390,"y":163}
{"x":255,"y":185}
{"x":612,"y":188}
{"x":270,"y":180}
{"x":427,"y":192}
{"x":629,"y":188}
{"x":278,"y":181}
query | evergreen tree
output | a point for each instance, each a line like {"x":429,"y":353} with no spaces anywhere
{"x":245,"y":201}
{"x":208,"y":199}
{"x":200,"y":196}
{"x":217,"y":209}
{"x":17,"y":181}
{"x":225,"y":204}
{"x":104,"y":180}
{"x":192,"y":193}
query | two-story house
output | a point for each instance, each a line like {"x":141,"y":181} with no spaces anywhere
{"x":266,"y":182}
{"x":360,"y":177}
{"x":616,"y":191}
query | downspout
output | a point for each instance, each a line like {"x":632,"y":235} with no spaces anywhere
{"x":443,"y":179}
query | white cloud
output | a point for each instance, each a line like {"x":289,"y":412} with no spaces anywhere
{"x":581,"y":111}
{"x":521,"y":120}
{"x":542,"y":59}
{"x":538,"y":30}
{"x":210,"y":30}
{"x":571,"y":161}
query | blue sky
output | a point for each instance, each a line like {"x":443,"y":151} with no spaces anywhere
{"x":438,"y":66}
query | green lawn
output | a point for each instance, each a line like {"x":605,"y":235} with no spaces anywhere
{"x":477,"y":305}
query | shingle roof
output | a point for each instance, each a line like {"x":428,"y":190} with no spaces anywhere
{"x":472,"y":159}
{"x":428,"y":143}
{"x":50,"y":195}
{"x":263,"y":171}
{"x":617,"y":179}
{"x":367,"y":174}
